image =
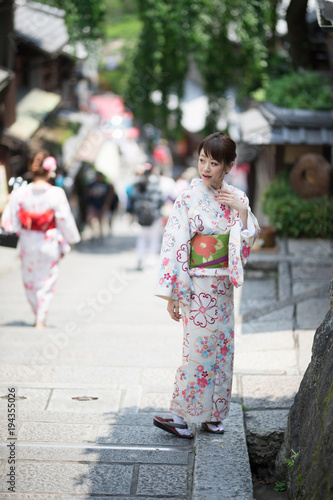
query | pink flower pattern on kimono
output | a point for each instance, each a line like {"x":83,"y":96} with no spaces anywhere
{"x":192,"y":393}
{"x":169,"y":279}
{"x":204,"y":204}
{"x":206,"y":312}
{"x":205,"y":346}
{"x":196,"y":224}
{"x":224,"y":350}
{"x":195,"y":409}
{"x":227,"y":213}
{"x":245,"y":250}
{"x":220,"y":409}
{"x":219,"y":378}
{"x":181,"y":203}
{"x":173,"y":222}
{"x":224,"y":312}
{"x":183,"y":255}
{"x":204,"y":374}
{"x":180,"y":289}
{"x":234,"y":271}
{"x":220,"y":361}
{"x":168,"y":241}
{"x":223,"y":287}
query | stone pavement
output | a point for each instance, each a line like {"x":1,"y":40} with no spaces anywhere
{"x":87,"y":387}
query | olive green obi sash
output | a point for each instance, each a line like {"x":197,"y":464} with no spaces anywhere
{"x":209,"y":251}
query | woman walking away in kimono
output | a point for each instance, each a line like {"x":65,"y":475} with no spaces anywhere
{"x":41,"y":215}
{"x":206,"y":243}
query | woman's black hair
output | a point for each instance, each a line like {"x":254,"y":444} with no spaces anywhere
{"x":219,"y":147}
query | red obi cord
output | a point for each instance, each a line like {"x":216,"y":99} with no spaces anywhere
{"x":37,"y":222}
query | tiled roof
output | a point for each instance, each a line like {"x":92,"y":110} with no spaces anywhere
{"x":31,"y":111}
{"x":324,"y":10}
{"x":269,"y":124}
{"x":5,"y":76}
{"x":41,"y":25}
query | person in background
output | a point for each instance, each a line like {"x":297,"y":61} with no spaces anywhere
{"x":145,"y":200}
{"x":205,"y":246}
{"x":99,"y":197}
{"x":41,"y":215}
{"x":163,"y":157}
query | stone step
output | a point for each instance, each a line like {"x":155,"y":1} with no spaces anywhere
{"x":65,"y":455}
{"x":223,"y":471}
{"x":70,"y":455}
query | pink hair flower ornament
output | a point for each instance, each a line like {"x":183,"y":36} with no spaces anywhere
{"x":50,"y":164}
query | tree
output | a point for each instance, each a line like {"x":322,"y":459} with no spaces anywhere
{"x":84,"y":18}
{"x":161,"y":60}
{"x":229,"y":41}
{"x":235,"y":49}
{"x":297,"y":34}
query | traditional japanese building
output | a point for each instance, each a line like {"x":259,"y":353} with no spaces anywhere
{"x":273,"y":138}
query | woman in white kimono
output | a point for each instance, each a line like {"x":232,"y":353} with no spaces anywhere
{"x":206,"y":243}
{"x":41,"y":215}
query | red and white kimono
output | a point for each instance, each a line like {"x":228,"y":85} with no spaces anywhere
{"x":44,"y":221}
{"x":202,"y":388}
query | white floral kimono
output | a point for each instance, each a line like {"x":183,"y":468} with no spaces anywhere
{"x":202,"y":388}
{"x":46,"y":226}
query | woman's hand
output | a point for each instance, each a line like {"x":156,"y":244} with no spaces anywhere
{"x":173,"y":309}
{"x":224,"y":197}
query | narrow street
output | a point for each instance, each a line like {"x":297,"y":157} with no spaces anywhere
{"x":110,"y":344}
{"x":88,"y":385}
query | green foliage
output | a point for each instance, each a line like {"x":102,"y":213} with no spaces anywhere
{"x":118,"y":9}
{"x":84,"y":18}
{"x":161,"y":59}
{"x":280,"y":486}
{"x":116,"y":80}
{"x":294,"y":216}
{"x":228,"y":40}
{"x":298,"y":90}
{"x":127,"y":27}
{"x":246,"y":408}
{"x":291,"y":461}
{"x":123,"y":26}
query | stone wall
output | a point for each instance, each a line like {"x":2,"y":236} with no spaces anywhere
{"x":310,"y":423}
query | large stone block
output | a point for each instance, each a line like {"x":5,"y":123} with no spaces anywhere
{"x":264,"y":435}
{"x":310,"y":424}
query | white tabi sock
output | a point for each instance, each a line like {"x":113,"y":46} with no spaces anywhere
{"x":180,"y":420}
{"x":218,"y":426}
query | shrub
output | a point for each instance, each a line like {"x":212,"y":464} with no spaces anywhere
{"x":301,"y":90}
{"x":294,"y":216}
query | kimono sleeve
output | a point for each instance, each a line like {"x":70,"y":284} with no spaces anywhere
{"x":174,"y":280}
{"x":10,"y":220}
{"x":240,"y":243}
{"x":65,"y":221}
{"x":248,"y":237}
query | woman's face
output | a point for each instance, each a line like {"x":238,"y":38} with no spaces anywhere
{"x":211,"y":172}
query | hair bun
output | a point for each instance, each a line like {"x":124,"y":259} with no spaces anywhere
{"x":50,"y":163}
